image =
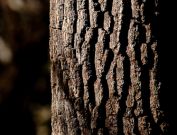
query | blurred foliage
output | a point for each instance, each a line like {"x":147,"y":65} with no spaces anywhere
{"x":24,"y":67}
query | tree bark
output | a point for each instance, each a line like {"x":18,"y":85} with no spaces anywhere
{"x":105,"y":67}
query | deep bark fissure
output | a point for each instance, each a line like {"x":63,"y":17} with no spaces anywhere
{"x":136,"y":128}
{"x":91,"y":68}
{"x":75,"y":23}
{"x":102,"y":109}
{"x":126,"y":78}
{"x":126,"y":13}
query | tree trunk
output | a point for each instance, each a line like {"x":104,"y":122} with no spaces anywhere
{"x":105,"y":67}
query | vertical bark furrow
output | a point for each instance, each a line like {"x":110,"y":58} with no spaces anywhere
{"x":103,"y":60}
{"x":92,"y":68}
{"x":123,"y":41}
{"x":89,"y":73}
{"x":122,"y":102}
{"x":88,"y":68}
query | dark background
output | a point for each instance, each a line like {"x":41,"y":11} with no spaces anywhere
{"x":24,"y":67}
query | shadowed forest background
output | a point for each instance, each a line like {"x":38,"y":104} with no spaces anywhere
{"x":24,"y":67}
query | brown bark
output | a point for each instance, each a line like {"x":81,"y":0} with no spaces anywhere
{"x":104,"y":68}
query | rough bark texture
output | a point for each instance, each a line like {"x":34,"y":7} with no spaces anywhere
{"x":105,"y":67}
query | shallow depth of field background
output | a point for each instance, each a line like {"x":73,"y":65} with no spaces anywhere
{"x":24,"y":67}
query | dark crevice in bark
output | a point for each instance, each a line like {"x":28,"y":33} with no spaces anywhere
{"x":136,"y":130}
{"x":87,"y":115}
{"x":112,"y":23}
{"x":108,"y":62}
{"x":75,"y":17}
{"x":80,"y":102}
{"x":88,"y":14}
{"x":100,"y":19}
{"x":81,"y":82}
{"x":156,"y":129}
{"x":150,"y":58}
{"x":105,"y":131}
{"x":125,"y":27}
{"x":122,"y":102}
{"x":66,"y":88}
{"x":102,"y":109}
{"x":148,"y":14}
{"x":142,"y":35}
{"x":145,"y":90}
{"x":82,"y":36}
{"x":83,"y":32}
{"x":155,"y":27}
{"x":91,"y":67}
{"x":96,"y":5}
{"x":126,"y":63}
{"x":140,"y":2}
{"x":75,"y":22}
{"x":109,"y":5}
{"x":110,"y":55}
{"x":78,"y":106}
{"x":138,"y":54}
